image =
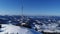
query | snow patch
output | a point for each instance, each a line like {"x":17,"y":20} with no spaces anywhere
{"x":8,"y":28}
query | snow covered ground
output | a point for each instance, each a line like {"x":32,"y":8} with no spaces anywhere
{"x":12,"y":29}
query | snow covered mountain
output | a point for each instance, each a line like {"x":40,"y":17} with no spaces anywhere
{"x":12,"y":29}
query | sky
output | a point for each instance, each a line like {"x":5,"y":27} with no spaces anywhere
{"x":30,"y":7}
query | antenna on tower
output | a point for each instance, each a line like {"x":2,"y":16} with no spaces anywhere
{"x":22,"y":17}
{"x":22,"y":8}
